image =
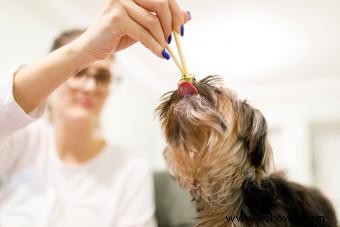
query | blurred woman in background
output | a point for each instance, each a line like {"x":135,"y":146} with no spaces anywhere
{"x":65,"y":173}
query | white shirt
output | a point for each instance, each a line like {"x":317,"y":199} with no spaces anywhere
{"x":113,"y":189}
{"x":12,"y":117}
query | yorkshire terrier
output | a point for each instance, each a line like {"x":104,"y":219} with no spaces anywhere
{"x":217,"y":149}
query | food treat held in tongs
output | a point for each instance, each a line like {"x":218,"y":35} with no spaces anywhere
{"x":185,"y":84}
{"x":186,"y":87}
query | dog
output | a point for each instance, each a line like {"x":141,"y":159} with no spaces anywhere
{"x":218,"y":150}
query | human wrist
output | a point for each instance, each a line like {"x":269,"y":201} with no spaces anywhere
{"x":76,"y":51}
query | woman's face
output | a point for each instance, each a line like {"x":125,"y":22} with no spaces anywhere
{"x":83,"y":95}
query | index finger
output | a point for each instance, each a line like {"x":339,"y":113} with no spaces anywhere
{"x":168,"y":12}
{"x":178,"y":18}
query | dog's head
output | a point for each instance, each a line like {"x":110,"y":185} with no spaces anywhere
{"x":212,"y":135}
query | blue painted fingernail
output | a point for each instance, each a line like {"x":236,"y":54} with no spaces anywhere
{"x":189,"y":15}
{"x":165,"y":54}
{"x":169,"y":39}
{"x":182,"y":30}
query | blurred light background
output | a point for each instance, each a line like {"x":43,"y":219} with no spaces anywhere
{"x":283,"y":56}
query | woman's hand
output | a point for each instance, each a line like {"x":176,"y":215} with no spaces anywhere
{"x":123,"y":22}
{"x":119,"y":24}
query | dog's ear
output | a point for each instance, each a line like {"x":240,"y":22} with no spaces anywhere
{"x":252,"y":129}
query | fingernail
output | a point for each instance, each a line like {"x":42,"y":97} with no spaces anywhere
{"x":165,"y":54}
{"x":189,"y":15}
{"x":182,"y":30}
{"x":169,"y":39}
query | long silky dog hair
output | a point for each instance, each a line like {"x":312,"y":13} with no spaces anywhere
{"x":217,"y":148}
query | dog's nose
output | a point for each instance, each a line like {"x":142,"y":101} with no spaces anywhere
{"x":186,"y":88}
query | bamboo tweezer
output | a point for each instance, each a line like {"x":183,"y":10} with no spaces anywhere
{"x":180,"y":65}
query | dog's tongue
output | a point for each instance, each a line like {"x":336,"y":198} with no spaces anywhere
{"x":186,"y":88}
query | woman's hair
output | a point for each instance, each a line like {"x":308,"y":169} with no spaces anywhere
{"x":66,"y":37}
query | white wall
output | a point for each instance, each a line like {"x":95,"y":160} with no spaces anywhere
{"x":283,"y":56}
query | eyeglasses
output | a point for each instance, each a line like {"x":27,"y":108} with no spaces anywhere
{"x":102,"y":78}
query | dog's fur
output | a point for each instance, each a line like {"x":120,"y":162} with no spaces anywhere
{"x":217,"y":149}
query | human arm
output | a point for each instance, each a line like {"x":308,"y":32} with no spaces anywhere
{"x":119,"y":24}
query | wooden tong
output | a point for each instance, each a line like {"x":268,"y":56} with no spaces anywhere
{"x":180,"y":65}
{"x":185,"y":84}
